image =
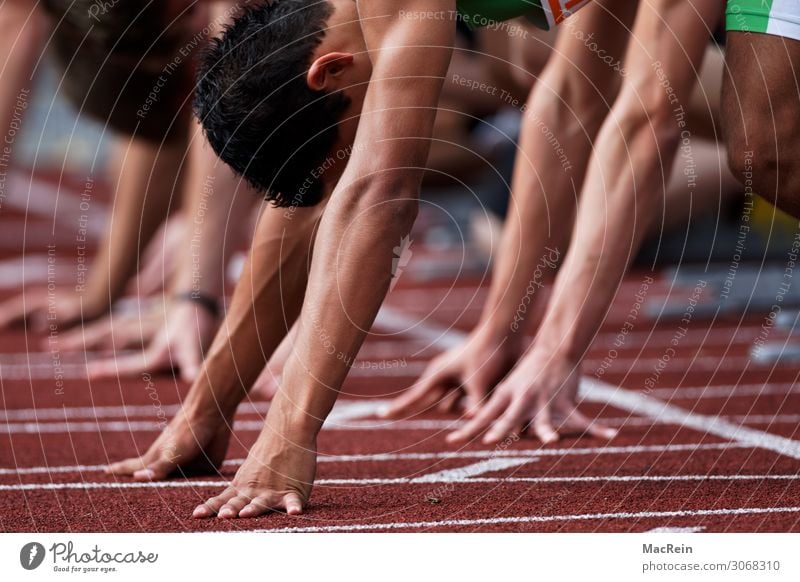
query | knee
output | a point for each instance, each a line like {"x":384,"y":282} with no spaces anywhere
{"x":741,"y":157}
{"x":764,"y":163}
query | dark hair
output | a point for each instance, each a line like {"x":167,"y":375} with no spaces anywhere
{"x":258,"y":112}
{"x":114,"y":55}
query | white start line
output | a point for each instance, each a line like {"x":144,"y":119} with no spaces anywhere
{"x":435,"y":456}
{"x":530,"y":519}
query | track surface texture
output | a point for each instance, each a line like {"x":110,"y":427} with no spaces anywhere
{"x":708,"y":440}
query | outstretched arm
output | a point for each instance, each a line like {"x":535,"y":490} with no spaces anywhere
{"x":563,"y":115}
{"x":623,"y":193}
{"x":216,"y":204}
{"x":371,"y":210}
{"x":266,"y":302}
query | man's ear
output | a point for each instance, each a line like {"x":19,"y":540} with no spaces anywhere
{"x":326,"y":69}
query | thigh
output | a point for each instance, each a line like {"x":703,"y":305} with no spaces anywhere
{"x":669,"y":44}
{"x":591,"y":44}
{"x":761,"y":91}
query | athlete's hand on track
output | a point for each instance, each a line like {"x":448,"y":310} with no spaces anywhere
{"x":40,"y":308}
{"x":179,"y":344}
{"x":116,"y":331}
{"x":191,"y":442}
{"x":462,"y":376}
{"x":278,"y":473}
{"x":284,"y":484}
{"x":540,"y":396}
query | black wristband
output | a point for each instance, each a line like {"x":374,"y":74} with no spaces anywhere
{"x":205,"y":301}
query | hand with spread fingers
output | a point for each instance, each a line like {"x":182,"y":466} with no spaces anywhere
{"x":193,"y":442}
{"x":116,"y":331}
{"x":278,"y":473}
{"x":41,"y":308}
{"x":538,"y":397}
{"x":460,"y":378}
{"x":179,"y":343}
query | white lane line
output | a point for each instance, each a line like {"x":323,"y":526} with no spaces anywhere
{"x":485,"y":454}
{"x":396,"y":322}
{"x":641,"y":404}
{"x":700,"y":363}
{"x":29,"y":270}
{"x":675,"y":530}
{"x":737,"y":418}
{"x":726,"y":391}
{"x":344,"y":424}
{"x":70,"y":412}
{"x":361,"y":369}
{"x":454,"y":476}
{"x":133,"y":426}
{"x":147,"y":410}
{"x":531,"y":519}
{"x":344,"y":410}
{"x":436,"y":478}
{"x":113,"y":485}
{"x":479,"y":468}
{"x":411,"y":368}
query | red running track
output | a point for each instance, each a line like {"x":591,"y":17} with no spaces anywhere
{"x":711,"y":445}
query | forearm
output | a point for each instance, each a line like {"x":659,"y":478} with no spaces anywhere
{"x":540,"y":217}
{"x":349,"y":279}
{"x":371,"y":210}
{"x":563,"y":116}
{"x":629,"y":170}
{"x":22,"y":37}
{"x":625,"y":186}
{"x":148,"y":177}
{"x":216,"y":204}
{"x":265,"y":304}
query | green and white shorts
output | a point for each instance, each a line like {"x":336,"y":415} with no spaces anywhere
{"x":776,"y":17}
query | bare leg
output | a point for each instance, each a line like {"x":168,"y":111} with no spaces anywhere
{"x":761,"y":104}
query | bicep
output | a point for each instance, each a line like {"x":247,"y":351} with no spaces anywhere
{"x":410,"y":61}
